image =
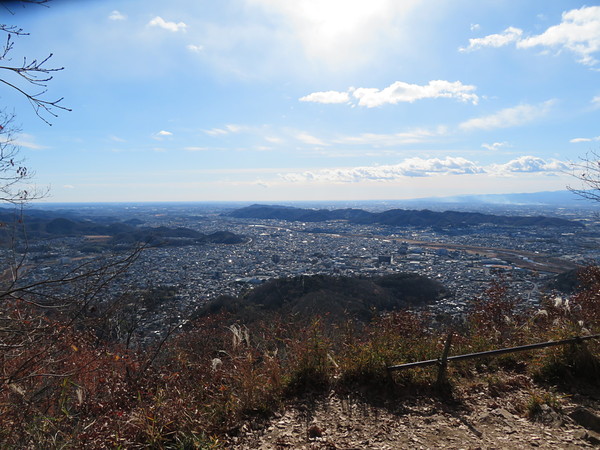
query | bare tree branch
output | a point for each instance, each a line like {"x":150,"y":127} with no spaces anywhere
{"x":34,"y":73}
{"x":587,"y":171}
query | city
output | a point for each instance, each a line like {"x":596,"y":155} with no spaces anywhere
{"x":465,"y":260}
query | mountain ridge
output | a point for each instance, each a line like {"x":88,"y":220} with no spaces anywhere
{"x":396,"y":217}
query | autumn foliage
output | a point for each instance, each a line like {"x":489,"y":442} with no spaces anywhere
{"x":63,"y":386}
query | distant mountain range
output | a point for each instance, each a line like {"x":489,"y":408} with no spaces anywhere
{"x":544,"y":198}
{"x":42,"y":225}
{"x":397,"y":217}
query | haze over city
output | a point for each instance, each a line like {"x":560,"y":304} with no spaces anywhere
{"x":260,"y":100}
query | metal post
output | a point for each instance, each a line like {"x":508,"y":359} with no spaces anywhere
{"x":502,"y":351}
{"x":443,"y":362}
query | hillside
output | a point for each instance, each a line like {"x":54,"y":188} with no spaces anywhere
{"x":280,"y":382}
{"x":398,"y":217}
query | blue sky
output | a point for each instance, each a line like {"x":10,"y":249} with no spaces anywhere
{"x":272,"y":100}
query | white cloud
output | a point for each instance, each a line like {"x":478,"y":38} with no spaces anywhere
{"x":196,"y":149}
{"x":116,"y":138}
{"x":475,"y":26}
{"x":170,"y":26}
{"x":372,"y":140}
{"x":495,"y":145}
{"x":596,"y":101}
{"x":68,"y":186}
{"x":235,"y":128}
{"x":273,"y":139}
{"x":405,"y":92}
{"x":577,"y":140}
{"x":216,"y":132}
{"x":419,"y":167}
{"x":578,"y":32}
{"x":449,"y":166}
{"x":391,"y":139}
{"x":162,"y":134}
{"x":398,"y":92}
{"x":116,"y":15}
{"x":27,"y":141}
{"x":509,"y":117}
{"x":309,"y":139}
{"x":326,"y":97}
{"x":509,"y":35}
{"x":529,"y":164}
{"x":227,"y":129}
{"x":412,"y":167}
{"x":195,"y":48}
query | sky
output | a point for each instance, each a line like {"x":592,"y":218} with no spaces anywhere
{"x":274,"y":100}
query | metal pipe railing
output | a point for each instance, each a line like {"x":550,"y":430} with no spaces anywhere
{"x":502,"y":351}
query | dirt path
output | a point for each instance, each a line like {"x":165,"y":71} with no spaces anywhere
{"x":479,"y":417}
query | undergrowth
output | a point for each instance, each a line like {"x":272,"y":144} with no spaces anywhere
{"x":69,"y":389}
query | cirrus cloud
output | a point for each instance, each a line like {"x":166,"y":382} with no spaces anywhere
{"x":508,"y":117}
{"x":392,"y":139}
{"x":227,"y":129}
{"x":22,"y":140}
{"x":310,"y":139}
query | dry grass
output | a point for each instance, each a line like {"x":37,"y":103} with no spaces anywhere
{"x":70,"y":390}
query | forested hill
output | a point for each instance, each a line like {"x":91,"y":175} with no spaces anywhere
{"x":336,"y":298}
{"x":398,"y":217}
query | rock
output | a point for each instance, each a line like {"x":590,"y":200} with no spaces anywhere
{"x":503,"y":413}
{"x":586,"y":418}
{"x":590,"y":436}
{"x":549,"y":416}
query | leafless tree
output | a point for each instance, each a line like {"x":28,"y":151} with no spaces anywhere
{"x":587,"y":171}
{"x":29,"y":77}
{"x":39,"y":313}
{"x":13,"y":171}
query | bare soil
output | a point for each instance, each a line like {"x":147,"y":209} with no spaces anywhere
{"x":491,"y":414}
